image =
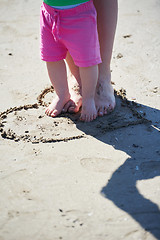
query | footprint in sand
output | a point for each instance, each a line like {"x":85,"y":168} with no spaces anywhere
{"x":73,"y":218}
{"x":98,"y":164}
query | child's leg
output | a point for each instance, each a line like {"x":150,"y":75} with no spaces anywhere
{"x":89,"y":77}
{"x":58,"y":76}
{"x":74,"y":104}
{"x":107,"y":20}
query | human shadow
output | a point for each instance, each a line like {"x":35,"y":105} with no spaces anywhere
{"x":129,"y":129}
{"x":134,"y":129}
{"x":142,"y":143}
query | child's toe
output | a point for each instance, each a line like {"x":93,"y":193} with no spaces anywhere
{"x":47,"y":111}
{"x":94,"y":116}
{"x":82,"y":117}
{"x":54,"y":113}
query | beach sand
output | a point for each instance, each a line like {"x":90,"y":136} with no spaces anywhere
{"x":63,"y":179}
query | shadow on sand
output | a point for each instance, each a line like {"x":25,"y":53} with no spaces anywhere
{"x":142,"y":143}
{"x":140,"y":139}
{"x":135,"y":135}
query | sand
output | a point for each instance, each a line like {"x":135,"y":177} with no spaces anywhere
{"x":63,"y":179}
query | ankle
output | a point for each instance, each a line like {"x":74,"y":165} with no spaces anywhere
{"x":104,"y":79}
{"x":104,"y":74}
{"x":63,"y":95}
{"x":87,"y":99}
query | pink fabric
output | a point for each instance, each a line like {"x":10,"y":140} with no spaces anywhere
{"x":73,"y":30}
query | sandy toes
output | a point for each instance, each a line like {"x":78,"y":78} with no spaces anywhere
{"x":56,"y":107}
{"x":89,"y":112}
{"x":104,"y":98}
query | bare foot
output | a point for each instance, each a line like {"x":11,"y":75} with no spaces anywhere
{"x":104,"y":97}
{"x":89,"y":112}
{"x":56,"y":107}
{"x":75,"y":102}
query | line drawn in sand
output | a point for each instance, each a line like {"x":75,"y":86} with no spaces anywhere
{"x":30,"y":124}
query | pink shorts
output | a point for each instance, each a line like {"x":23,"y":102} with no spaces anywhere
{"x":73,"y":30}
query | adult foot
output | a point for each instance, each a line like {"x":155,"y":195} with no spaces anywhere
{"x":56,"y":107}
{"x":104,"y":97}
{"x":89,"y":112}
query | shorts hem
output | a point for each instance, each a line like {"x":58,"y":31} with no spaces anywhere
{"x":88,"y":63}
{"x":52,"y":59}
